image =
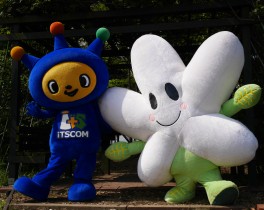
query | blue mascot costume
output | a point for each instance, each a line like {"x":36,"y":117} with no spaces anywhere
{"x":67,"y":83}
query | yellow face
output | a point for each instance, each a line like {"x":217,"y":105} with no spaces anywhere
{"x":68,"y":82}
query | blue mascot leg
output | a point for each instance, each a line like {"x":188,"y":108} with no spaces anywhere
{"x":39,"y":186}
{"x":83,"y":189}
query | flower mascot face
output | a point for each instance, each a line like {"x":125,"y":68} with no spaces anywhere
{"x":67,"y":83}
{"x":177,"y":115}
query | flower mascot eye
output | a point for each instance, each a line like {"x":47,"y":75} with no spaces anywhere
{"x":182,"y":115}
{"x":67,"y":82}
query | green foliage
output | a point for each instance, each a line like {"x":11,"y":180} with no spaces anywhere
{"x":29,"y":171}
{"x":126,"y":83}
{"x":2,"y":203}
{"x":99,"y":6}
{"x":143,"y":3}
{"x":3,"y":175}
{"x":258,"y":10}
{"x":5,"y":89}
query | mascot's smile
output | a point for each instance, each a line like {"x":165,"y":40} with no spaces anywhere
{"x":71,"y":93}
{"x":171,"y":123}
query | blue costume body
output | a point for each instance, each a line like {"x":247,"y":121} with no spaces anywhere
{"x":67,"y":83}
{"x":75,"y":135}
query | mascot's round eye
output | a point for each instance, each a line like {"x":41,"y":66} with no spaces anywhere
{"x":53,"y":86}
{"x":153,"y":101}
{"x":171,"y":91}
{"x":84,"y":80}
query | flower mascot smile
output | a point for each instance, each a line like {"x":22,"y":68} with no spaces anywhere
{"x":67,"y":83}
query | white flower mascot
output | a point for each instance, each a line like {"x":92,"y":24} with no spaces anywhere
{"x":177,"y":116}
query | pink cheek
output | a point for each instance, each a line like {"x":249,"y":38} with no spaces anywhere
{"x":152,"y":117}
{"x":183,"y":106}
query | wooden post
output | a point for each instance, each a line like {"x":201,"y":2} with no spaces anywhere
{"x":14,"y":119}
{"x":247,"y":75}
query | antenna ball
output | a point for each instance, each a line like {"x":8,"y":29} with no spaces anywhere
{"x":56,"y":28}
{"x":17,"y":53}
{"x":103,"y":34}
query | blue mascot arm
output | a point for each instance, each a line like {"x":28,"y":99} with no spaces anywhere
{"x":34,"y":110}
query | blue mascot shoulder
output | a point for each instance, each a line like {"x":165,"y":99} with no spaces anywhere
{"x":66,"y":84}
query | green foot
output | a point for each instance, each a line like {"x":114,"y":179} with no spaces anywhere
{"x":226,"y":197}
{"x":179,"y":195}
{"x":221,"y":192}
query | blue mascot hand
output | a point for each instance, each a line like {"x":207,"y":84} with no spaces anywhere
{"x":34,"y":110}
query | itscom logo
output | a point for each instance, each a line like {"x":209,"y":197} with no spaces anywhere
{"x":70,"y":122}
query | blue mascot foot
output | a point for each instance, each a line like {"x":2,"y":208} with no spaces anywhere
{"x":29,"y":188}
{"x":81,"y":192}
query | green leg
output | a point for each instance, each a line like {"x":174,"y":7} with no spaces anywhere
{"x":219,"y":192}
{"x":184,"y":190}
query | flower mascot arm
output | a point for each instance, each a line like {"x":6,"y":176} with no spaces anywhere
{"x":245,"y":97}
{"x":66,"y":84}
